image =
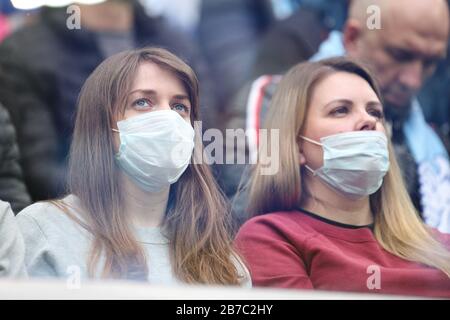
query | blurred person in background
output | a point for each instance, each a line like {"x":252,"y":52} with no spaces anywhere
{"x":435,"y":100}
{"x":298,"y":37}
{"x":12,"y":186}
{"x":139,"y":206}
{"x":229,"y":32}
{"x":403,"y":53}
{"x":43,"y":66}
{"x":336,"y":215}
{"x":235,"y":35}
{"x":180,"y":14}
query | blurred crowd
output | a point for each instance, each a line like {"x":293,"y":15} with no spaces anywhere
{"x":229,"y":43}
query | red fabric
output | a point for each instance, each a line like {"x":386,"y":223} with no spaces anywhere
{"x":295,"y":250}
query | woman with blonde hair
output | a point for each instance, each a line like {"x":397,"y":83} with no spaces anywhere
{"x":141,"y":204}
{"x":336,"y":215}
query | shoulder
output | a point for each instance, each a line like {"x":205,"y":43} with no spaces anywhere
{"x":275,"y":230}
{"x":41,"y":213}
{"x":48,"y":218}
{"x":277,"y":222}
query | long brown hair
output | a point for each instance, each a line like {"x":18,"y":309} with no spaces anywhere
{"x":196,"y":220}
{"x":398,"y":227}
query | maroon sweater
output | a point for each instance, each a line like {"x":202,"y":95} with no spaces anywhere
{"x":304,"y":251}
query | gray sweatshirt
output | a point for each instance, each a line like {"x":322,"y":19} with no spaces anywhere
{"x":12,"y":247}
{"x":57,"y":246}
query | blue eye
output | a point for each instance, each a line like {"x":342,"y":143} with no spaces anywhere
{"x":179,"y":107}
{"x":142,"y":104}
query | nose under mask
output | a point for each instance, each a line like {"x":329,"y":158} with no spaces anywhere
{"x":155,"y":148}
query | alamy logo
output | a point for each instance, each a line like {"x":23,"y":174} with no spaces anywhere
{"x":374,"y":280}
{"x":73,"y":22}
{"x":373,"y":21}
{"x":73,"y":281}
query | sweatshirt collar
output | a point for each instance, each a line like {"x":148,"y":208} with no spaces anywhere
{"x":336,"y":229}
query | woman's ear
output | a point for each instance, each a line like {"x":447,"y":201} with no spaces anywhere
{"x":301,"y":156}
{"x":351,"y":36}
{"x":115,"y":139}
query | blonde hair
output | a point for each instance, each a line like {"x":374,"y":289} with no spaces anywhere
{"x":398,"y":227}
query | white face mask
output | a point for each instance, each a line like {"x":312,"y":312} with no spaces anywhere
{"x":354,"y":163}
{"x":155,"y":148}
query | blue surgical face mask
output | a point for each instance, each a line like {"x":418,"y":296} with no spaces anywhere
{"x":155,"y":148}
{"x":354,"y":163}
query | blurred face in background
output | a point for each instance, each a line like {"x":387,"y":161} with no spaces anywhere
{"x":405,"y":52}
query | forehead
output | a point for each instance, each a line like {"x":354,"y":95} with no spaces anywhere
{"x":151,"y":76}
{"x":342,"y":85}
{"x":417,"y":27}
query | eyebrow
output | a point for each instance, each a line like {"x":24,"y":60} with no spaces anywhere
{"x":181,"y":97}
{"x":346,"y":101}
{"x":375,"y":103}
{"x":151,"y":92}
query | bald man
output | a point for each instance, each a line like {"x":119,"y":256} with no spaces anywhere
{"x":405,"y":51}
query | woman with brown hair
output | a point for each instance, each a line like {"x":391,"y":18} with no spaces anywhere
{"x":336,"y":215}
{"x":141,"y":203}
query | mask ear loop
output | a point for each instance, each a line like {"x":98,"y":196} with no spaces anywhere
{"x":115,"y":130}
{"x":313,"y":142}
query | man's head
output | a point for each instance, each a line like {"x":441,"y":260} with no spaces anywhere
{"x":107,"y":16}
{"x":405,"y":51}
